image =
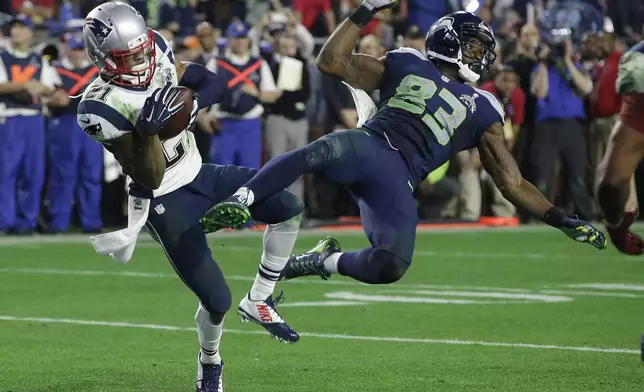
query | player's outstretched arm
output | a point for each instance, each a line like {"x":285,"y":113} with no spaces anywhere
{"x":337,"y":57}
{"x":500,"y":164}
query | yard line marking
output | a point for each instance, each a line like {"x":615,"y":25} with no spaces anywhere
{"x":393,"y":339}
{"x":609,"y":286}
{"x":592,"y":293}
{"x":135,"y":274}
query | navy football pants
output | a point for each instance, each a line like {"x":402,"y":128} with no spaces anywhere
{"x":379,"y":180}
{"x":75,"y":173}
{"x":22,"y":171}
{"x":174,"y":222}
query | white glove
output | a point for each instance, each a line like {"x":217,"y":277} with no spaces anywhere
{"x":379,"y":5}
{"x":194,"y":113}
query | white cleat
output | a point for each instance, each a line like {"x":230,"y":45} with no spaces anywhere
{"x":265,"y":314}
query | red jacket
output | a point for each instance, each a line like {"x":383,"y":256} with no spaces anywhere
{"x":604,"y":101}
{"x":514,"y":107}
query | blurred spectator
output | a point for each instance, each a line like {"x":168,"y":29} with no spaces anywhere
{"x":75,"y":160}
{"x":286,"y":126}
{"x":168,"y":35}
{"x":560,"y":85}
{"x":189,"y":49}
{"x":208,"y":37}
{"x":250,"y":83}
{"x":435,"y":192}
{"x":372,"y":46}
{"x":523,"y":61}
{"x":24,"y":78}
{"x":283,"y":21}
{"x":505,"y":87}
{"x":423,"y":13}
{"x":415,"y":38}
{"x":310,"y":12}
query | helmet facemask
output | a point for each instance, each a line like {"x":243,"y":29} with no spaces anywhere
{"x":476,"y":56}
{"x":134,"y":66}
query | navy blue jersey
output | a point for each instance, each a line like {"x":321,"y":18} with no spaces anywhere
{"x":426,"y":116}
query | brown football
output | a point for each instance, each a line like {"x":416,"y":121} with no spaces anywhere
{"x":181,"y":119}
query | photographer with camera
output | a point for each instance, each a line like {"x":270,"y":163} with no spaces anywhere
{"x":560,"y":85}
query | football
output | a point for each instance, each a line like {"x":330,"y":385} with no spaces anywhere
{"x":181,"y":119}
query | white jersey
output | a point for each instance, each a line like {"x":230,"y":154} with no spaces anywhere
{"x":108,"y":111}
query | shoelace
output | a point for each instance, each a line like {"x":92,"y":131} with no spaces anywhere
{"x":305,"y":264}
{"x":272,"y":304}
{"x":213,"y":372}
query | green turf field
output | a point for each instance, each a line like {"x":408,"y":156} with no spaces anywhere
{"x":523,"y":310}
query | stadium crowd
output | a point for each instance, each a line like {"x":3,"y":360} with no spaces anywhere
{"x":555,"y":74}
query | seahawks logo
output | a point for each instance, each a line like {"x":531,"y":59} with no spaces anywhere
{"x":100,"y":30}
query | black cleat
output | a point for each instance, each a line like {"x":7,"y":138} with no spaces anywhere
{"x":312,"y":262}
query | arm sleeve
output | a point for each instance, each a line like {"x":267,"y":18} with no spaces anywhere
{"x":208,"y":85}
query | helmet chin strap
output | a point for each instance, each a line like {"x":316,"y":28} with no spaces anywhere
{"x":466,"y":73}
{"x":464,"y":70}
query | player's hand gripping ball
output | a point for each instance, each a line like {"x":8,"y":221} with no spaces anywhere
{"x":167,"y":112}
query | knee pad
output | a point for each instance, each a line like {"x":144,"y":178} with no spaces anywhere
{"x":293,"y":207}
{"x":317,"y":153}
{"x":217,"y":302}
{"x":388,"y":267}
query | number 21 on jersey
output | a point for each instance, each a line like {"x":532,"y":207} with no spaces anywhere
{"x":412,"y":95}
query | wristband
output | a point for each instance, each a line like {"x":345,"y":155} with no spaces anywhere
{"x":361,"y":16}
{"x":555,"y":217}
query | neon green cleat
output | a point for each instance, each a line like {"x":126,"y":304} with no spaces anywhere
{"x":227,"y":214}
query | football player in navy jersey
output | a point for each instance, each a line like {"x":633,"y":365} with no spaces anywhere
{"x":427,"y":114}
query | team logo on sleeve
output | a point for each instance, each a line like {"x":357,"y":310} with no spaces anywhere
{"x":470,"y":101}
{"x":94,"y":130}
{"x":100,"y":30}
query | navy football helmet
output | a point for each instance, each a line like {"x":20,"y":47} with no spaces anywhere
{"x":464,"y":39}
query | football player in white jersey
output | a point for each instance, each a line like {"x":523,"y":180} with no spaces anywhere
{"x":125,"y":109}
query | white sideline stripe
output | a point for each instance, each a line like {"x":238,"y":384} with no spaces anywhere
{"x":84,"y":238}
{"x":134,"y":274}
{"x":330,"y":336}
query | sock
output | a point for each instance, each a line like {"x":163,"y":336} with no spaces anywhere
{"x":209,"y":336}
{"x":279,"y":240}
{"x":246,"y":195}
{"x":331,"y":262}
{"x":282,"y":171}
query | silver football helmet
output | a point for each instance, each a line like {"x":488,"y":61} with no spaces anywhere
{"x":120,"y":44}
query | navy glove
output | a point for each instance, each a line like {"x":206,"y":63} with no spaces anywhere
{"x":157,"y":110}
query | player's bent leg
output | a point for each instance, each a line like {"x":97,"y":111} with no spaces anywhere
{"x":624,"y":152}
{"x":338,"y":155}
{"x":190,"y":256}
{"x":389,"y":217}
{"x":282,"y":212}
{"x":258,"y":305}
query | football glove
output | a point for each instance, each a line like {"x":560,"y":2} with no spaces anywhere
{"x":623,"y":238}
{"x":582,"y":231}
{"x":157,"y":110}
{"x":379,"y":5}
{"x":195,"y":111}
